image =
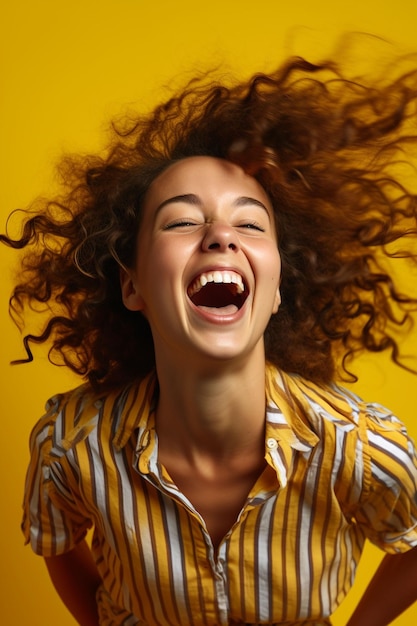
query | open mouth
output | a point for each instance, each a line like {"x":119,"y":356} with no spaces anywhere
{"x":221,"y":292}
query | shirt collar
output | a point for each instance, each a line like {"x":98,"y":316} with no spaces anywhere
{"x":138,"y":412}
{"x":287,"y":430}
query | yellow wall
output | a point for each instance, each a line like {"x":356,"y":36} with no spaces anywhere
{"x":66,"y":67}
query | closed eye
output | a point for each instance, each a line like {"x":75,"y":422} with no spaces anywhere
{"x":179,"y":224}
{"x":252,"y":226}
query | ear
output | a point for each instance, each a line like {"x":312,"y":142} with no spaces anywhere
{"x":277,"y":301}
{"x":130,"y":293}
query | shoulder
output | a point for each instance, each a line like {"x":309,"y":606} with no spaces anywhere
{"x":331,"y":401}
{"x":366,"y":440}
{"x":315,"y":403}
{"x":71,"y":417}
{"x":67,"y":416}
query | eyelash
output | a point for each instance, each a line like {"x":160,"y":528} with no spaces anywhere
{"x":249,"y":225}
{"x":179,"y":223}
{"x":253,"y":225}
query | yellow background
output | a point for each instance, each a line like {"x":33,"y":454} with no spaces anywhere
{"x":66,"y":67}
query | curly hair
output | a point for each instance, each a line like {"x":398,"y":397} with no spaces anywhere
{"x":328,"y":150}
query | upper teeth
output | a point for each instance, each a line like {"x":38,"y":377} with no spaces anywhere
{"x":217,"y":277}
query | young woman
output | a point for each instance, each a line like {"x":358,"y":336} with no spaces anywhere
{"x":209,"y":278}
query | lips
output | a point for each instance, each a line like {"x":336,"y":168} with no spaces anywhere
{"x":222,"y":292}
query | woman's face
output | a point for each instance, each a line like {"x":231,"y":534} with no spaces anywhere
{"x":207,"y":271}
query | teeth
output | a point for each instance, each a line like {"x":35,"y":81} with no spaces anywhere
{"x":217,"y":277}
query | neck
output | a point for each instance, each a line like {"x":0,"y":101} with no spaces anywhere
{"x":215,"y":412}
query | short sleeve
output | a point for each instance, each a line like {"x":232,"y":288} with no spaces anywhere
{"x":52,"y":522}
{"x":388,"y":509}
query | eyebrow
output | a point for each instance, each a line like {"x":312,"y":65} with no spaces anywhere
{"x":192,"y":198}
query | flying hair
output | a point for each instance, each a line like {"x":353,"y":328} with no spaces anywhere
{"x":335,"y":155}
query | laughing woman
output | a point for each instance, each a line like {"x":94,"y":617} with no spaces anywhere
{"x":210,"y":279}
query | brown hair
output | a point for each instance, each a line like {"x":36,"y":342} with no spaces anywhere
{"x":325,"y":148}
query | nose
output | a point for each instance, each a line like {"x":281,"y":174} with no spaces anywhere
{"x":220,"y":236}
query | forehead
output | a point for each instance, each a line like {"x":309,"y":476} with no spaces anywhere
{"x":205,"y":176}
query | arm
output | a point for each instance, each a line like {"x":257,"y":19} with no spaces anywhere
{"x":76,"y":579}
{"x":392,"y":590}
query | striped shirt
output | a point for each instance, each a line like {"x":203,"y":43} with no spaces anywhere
{"x":338,"y":471}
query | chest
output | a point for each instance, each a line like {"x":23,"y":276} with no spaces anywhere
{"x":218,"y":496}
{"x":251,"y":559}
{"x":226,"y":545}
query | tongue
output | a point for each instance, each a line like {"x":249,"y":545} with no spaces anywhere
{"x":229,"y":309}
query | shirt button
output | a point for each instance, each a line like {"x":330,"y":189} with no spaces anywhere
{"x":272,"y":443}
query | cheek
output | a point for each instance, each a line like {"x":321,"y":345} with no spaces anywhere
{"x":166,"y":261}
{"x":270,"y":262}
{"x":160,"y":269}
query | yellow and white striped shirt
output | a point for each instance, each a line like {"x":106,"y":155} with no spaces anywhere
{"x":338,"y":471}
